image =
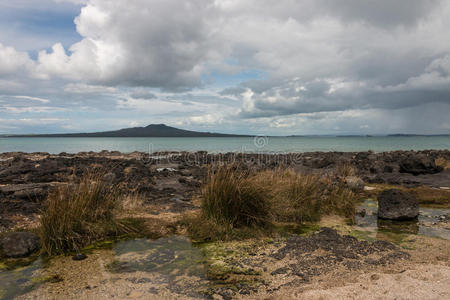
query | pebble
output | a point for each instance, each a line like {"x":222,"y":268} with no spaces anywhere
{"x":375,"y":277}
{"x":79,"y":256}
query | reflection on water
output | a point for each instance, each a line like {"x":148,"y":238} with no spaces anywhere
{"x":171,"y":263}
{"x":423,"y":225}
{"x":172,"y":256}
{"x":18,"y":281}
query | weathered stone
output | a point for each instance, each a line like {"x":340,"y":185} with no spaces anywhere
{"x":79,"y":256}
{"x":395,"y":204}
{"x":419,"y":164}
{"x":19,"y":244}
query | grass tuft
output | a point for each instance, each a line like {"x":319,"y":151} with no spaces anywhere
{"x":237,"y":204}
{"x":79,"y":214}
{"x":231,"y":198}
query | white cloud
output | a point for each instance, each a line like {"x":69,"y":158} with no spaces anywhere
{"x":208,"y":119}
{"x":152,"y":43}
{"x":13,"y":62}
{"x":42,"y":100}
{"x":82,"y":88}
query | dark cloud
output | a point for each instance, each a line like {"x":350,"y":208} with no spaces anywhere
{"x":336,"y":64}
{"x":381,"y":13}
{"x":142,"y":95}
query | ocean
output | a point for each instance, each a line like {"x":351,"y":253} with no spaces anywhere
{"x":225,"y":144}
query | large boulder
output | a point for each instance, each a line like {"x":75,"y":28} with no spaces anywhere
{"x":395,"y":204}
{"x":19,"y":244}
{"x":419,"y":164}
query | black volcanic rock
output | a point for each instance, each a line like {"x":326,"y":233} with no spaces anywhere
{"x":419,"y":164}
{"x":19,"y":244}
{"x":394,"y":204}
{"x":153,"y":130}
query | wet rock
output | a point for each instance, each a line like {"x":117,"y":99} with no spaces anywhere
{"x":19,"y":244}
{"x":79,"y":256}
{"x":306,"y":262}
{"x":419,"y":164}
{"x":362,"y":213}
{"x":395,"y":204}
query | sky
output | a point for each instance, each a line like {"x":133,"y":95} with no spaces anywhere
{"x":272,"y":67}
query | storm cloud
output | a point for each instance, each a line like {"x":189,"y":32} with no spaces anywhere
{"x":248,"y":66}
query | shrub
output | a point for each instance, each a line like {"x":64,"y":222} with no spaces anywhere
{"x":231,"y":198}
{"x":79,"y":214}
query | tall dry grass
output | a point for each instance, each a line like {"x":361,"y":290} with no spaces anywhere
{"x":240,"y":199}
{"x":79,"y":214}
{"x":231,"y":198}
{"x":295,"y":197}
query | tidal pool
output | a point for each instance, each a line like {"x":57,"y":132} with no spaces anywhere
{"x":424,"y":225}
{"x":19,"y":280}
{"x":170,"y":263}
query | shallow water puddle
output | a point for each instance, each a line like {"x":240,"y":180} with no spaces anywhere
{"x":19,"y":281}
{"x":170,"y":263}
{"x":425,"y":225}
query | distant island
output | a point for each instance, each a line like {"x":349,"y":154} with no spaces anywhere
{"x":152,"y":130}
{"x":162,"y":130}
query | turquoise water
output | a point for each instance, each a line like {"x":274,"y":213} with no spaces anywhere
{"x":225,"y":144}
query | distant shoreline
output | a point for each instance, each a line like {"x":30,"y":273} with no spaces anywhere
{"x":162,"y":130}
{"x":74,"y":135}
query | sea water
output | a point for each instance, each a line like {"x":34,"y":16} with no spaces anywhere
{"x":224,"y":144}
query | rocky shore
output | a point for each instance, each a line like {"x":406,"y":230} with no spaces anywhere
{"x":172,"y":178}
{"x":329,"y":260}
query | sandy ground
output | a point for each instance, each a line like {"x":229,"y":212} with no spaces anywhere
{"x":418,"y":282}
{"x":426,"y":275}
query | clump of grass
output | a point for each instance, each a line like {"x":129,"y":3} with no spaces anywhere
{"x":230,"y":197}
{"x":296,"y":198}
{"x":339,"y":200}
{"x":305,"y":198}
{"x":236,"y":203}
{"x":79,"y":214}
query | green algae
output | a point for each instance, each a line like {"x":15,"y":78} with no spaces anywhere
{"x":300,"y":229}
{"x":216,"y":264}
{"x":363,"y":235}
{"x":17,"y":277}
{"x":224,"y":268}
{"x":46,"y":278}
